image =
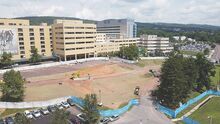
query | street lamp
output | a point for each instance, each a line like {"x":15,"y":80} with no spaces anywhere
{"x":210,"y":121}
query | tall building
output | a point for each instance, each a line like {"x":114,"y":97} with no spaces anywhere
{"x":117,"y":28}
{"x":152,"y":43}
{"x":67,"y":39}
{"x":74,"y":39}
{"x":18,"y":37}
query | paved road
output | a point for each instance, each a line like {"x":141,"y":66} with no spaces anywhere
{"x":216,"y":55}
{"x":145,"y":113}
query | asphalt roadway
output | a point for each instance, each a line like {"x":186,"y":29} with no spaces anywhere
{"x":145,"y":113}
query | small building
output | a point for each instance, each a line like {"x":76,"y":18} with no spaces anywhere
{"x":153,"y":42}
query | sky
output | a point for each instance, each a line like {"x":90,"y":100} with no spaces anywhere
{"x":168,"y":11}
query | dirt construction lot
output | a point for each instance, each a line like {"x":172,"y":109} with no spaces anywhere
{"x":112,"y":81}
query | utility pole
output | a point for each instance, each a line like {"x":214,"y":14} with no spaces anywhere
{"x":210,"y":121}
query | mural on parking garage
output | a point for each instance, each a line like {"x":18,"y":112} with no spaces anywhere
{"x":8,"y":41}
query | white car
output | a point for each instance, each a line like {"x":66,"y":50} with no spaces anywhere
{"x":114,"y":118}
{"x":82,"y":117}
{"x":36,"y":113}
{"x":44,"y":111}
{"x":65,"y":104}
{"x":28,"y":114}
{"x":59,"y":106}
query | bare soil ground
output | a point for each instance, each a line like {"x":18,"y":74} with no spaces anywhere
{"x":115,"y":80}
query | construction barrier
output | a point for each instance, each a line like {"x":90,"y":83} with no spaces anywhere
{"x":108,"y":113}
{"x":173,"y":113}
{"x":188,"y":120}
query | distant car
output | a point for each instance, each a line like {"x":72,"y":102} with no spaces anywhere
{"x":104,"y":121}
{"x":114,"y":118}
{"x":82,"y":117}
{"x":44,"y":111}
{"x":65,"y":104}
{"x":28,"y":114}
{"x":59,"y":106}
{"x":36,"y":113}
{"x":70,"y":101}
{"x":9,"y":120}
{"x":2,"y":121}
{"x":51,"y":108}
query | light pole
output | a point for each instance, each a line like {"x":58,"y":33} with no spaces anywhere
{"x":100,"y":96}
{"x":210,"y":121}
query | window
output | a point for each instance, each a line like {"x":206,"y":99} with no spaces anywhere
{"x":22,"y":52}
{"x":41,"y":29}
{"x":21,"y":39}
{"x":43,"y":50}
{"x":21,"y":43}
{"x":1,"y":23}
{"x":31,"y":38}
{"x":41,"y":38}
{"x":21,"y":48}
{"x":20,"y":34}
{"x":31,"y":34}
{"x":42,"y":42}
{"x":42,"y":46}
{"x":32,"y":43}
{"x":20,"y":29}
{"x":41,"y":34}
{"x":22,"y":56}
{"x":32,"y":47}
{"x":31,"y":29}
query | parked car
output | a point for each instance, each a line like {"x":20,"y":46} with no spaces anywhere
{"x":104,"y":121}
{"x":51,"y":108}
{"x":65,"y":104}
{"x":2,"y":121}
{"x":36,"y":113}
{"x":9,"y":120}
{"x":70,"y":101}
{"x":28,"y":114}
{"x":44,"y":111}
{"x":82,"y":117}
{"x":59,"y":106}
{"x":114,"y":118}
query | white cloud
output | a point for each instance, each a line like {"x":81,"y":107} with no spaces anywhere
{"x":177,"y":11}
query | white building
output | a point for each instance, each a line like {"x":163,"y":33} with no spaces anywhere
{"x":117,"y":28}
{"x":152,"y":43}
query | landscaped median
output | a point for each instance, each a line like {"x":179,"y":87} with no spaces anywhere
{"x":173,"y":113}
{"x":108,"y":113}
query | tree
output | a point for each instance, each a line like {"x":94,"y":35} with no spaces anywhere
{"x":190,"y":71}
{"x":142,"y":51}
{"x":60,"y":117}
{"x":6,"y":60}
{"x":91,"y":108}
{"x":206,"y":69}
{"x":158,"y":52}
{"x":13,"y":86}
{"x":35,"y":57}
{"x":21,"y":119}
{"x":131,"y":52}
{"x":173,"y":88}
{"x":206,"y":51}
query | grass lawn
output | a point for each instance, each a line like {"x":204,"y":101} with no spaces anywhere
{"x":143,"y":63}
{"x":211,"y":108}
{"x":215,"y":80}
{"x":8,"y":112}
